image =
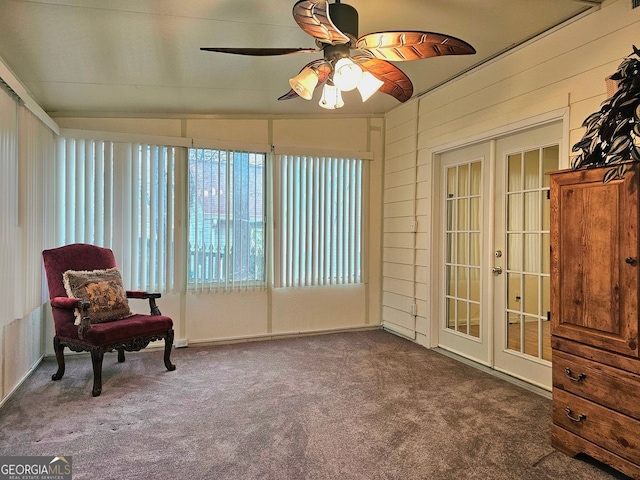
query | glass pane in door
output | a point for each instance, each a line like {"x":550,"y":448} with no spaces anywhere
{"x":462,"y":239}
{"x":527,"y":303}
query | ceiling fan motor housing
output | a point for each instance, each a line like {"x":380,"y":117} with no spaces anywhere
{"x":345,"y":17}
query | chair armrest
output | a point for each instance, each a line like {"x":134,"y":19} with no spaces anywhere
{"x":143,"y":295}
{"x":71,"y":303}
{"x":66,"y":302}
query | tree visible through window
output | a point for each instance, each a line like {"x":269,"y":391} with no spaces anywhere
{"x":226,"y":218}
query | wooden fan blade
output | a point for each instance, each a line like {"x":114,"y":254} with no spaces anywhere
{"x":313,"y":18}
{"x":403,"y":46}
{"x":396,"y":83}
{"x":289,"y":95}
{"x":259,"y":52}
{"x":322,"y":67}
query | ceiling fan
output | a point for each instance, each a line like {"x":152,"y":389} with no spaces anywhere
{"x":335,"y":28}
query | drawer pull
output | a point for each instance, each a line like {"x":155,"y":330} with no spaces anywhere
{"x":577,"y":379}
{"x":577,"y":419}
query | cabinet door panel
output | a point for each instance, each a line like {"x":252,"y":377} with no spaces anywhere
{"x":594,"y":259}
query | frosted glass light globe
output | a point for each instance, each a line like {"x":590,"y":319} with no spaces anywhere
{"x":347,"y":75}
{"x":368,"y":86}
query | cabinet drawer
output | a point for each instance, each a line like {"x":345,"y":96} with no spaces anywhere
{"x":609,"y":386}
{"x":604,"y":427}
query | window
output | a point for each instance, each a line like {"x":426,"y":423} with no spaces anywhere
{"x":120,"y":196}
{"x":123,"y":196}
{"x":320,"y":210}
{"x":226,"y":218}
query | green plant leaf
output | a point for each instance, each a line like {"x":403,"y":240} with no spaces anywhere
{"x":620,"y":145}
{"x":616,"y":173}
{"x":610,"y":175}
{"x":591,"y":119}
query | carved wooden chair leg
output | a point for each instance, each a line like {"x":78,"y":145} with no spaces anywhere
{"x":168,"y":343}
{"x":59,"y":349}
{"x":96,"y":358}
{"x":121,"y":355}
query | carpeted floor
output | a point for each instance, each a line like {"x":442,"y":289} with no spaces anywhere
{"x":365,"y":405}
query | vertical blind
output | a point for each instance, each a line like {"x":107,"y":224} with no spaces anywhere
{"x":8,"y":202}
{"x":26,"y":161}
{"x":320,"y":213}
{"x":120,"y":196}
{"x":37,"y":164}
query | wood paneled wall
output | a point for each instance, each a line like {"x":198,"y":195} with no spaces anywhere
{"x":565,"y":68}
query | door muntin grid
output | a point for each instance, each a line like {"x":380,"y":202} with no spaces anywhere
{"x":463,"y":236}
{"x":527,"y":231}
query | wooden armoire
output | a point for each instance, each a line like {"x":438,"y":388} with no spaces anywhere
{"x":594,"y":316}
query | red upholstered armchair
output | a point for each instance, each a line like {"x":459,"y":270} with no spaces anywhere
{"x":131,"y":333}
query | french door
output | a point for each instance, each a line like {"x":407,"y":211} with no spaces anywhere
{"x":464,"y":225}
{"x":494,"y":237}
{"x":522,"y":291}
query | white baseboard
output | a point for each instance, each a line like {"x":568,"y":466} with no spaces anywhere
{"x":273,"y":336}
{"x":180,"y":343}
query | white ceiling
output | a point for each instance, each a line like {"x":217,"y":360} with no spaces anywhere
{"x":142,"y":56}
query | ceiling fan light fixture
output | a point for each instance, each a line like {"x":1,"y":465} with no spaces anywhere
{"x":347,"y":75}
{"x":331,"y":97}
{"x":334,"y":26}
{"x":305,"y":82}
{"x":368,"y":86}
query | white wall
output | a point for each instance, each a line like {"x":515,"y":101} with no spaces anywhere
{"x":259,"y":313}
{"x":23,"y":347}
{"x":563,"y":69}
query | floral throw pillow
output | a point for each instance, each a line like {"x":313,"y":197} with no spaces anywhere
{"x":105,"y":291}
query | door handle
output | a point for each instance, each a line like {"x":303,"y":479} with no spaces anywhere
{"x":630,"y":260}
{"x":496,"y":270}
